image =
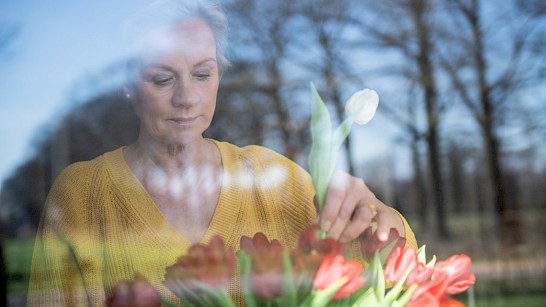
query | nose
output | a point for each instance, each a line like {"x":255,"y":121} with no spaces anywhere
{"x":185,"y":94}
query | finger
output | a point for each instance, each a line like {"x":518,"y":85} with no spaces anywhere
{"x":361,"y":220}
{"x":346,"y":212}
{"x":333,"y":201}
{"x":383,"y":223}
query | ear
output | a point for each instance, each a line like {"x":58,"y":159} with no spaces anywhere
{"x":127,"y":93}
{"x":130,"y":77}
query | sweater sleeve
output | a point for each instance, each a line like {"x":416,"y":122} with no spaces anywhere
{"x":56,"y":269}
{"x":411,"y":241}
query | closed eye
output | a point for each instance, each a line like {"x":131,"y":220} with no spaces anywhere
{"x":162,"y":80}
{"x":202,"y":76}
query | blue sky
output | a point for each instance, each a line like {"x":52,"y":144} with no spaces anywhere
{"x":59,"y":43}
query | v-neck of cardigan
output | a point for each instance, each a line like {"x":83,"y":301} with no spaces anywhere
{"x":224,"y":214}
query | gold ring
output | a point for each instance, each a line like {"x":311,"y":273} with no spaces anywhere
{"x":373,"y":209}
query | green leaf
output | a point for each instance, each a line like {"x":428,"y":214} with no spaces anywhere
{"x":323,"y":297}
{"x":367,"y":299}
{"x":385,"y":252}
{"x":375,"y":282}
{"x":245,"y":267}
{"x":319,"y":156}
{"x":344,"y":302}
{"x":290,"y":296}
{"x":188,"y":294}
{"x":339,"y":135}
{"x":216,"y":297}
{"x":394,"y":292}
{"x":404,"y":299}
{"x":421,"y":254}
{"x":378,"y":277}
{"x":432,"y":262}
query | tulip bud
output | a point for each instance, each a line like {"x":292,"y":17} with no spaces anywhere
{"x":362,"y":106}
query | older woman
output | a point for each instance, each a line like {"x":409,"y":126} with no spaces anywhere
{"x":138,"y":208}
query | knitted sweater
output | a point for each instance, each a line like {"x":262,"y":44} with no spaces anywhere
{"x":100,"y":226}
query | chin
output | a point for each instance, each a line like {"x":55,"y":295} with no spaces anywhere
{"x":184,"y":138}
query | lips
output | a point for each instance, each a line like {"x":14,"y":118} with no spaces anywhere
{"x":186,"y":120}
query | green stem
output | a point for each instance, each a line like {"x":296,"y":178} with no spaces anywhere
{"x":321,"y":234}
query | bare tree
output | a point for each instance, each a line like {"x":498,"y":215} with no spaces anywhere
{"x":331,"y":64}
{"x":406,"y":117}
{"x":408,"y":27}
{"x":261,"y":37}
{"x":497,"y":72}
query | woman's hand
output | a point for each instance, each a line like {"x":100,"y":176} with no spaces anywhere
{"x":350,"y":207}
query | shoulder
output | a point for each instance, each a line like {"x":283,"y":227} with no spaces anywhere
{"x":256,"y":156}
{"x":79,"y":176}
{"x":83,"y":170}
{"x":255,"y":153}
{"x":73,"y":191}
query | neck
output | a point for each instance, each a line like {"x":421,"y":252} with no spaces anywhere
{"x":170,"y":157}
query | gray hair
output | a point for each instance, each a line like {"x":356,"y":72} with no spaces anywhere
{"x":169,"y":12}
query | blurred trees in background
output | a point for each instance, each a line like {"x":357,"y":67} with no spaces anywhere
{"x":461,"y":79}
{"x":411,"y":29}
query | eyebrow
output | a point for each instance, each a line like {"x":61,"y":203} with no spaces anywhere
{"x":167,"y":67}
{"x":205,"y":61}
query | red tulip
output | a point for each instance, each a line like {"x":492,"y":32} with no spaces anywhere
{"x":449,"y":302}
{"x":334,"y":268}
{"x":311,"y":251}
{"x":370,"y":242}
{"x":267,"y":274}
{"x":398,"y":262}
{"x":456,"y":270}
{"x":309,"y":243}
{"x":212,"y":264}
{"x":451,"y":276}
{"x":428,"y":293}
{"x":420,"y":274}
{"x":136,"y":293}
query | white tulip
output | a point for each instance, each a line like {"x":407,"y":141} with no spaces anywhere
{"x":362,"y":106}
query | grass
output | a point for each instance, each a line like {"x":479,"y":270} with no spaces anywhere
{"x":17,"y":257}
{"x":525,"y":300}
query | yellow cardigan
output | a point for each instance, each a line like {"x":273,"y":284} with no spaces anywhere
{"x":100,"y":226}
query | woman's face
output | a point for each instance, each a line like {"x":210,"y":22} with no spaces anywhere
{"x":176,"y":88}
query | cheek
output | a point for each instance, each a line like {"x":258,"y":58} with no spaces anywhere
{"x":212,"y":95}
{"x":147,"y":108}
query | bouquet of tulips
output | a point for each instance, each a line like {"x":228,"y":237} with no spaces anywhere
{"x":315,"y":273}
{"x":318,"y":271}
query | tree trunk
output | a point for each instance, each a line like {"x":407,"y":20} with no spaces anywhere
{"x":507,"y":223}
{"x":282,"y":115}
{"x":421,"y":197}
{"x":437,"y":180}
{"x":455,"y":157}
{"x":431,"y":105}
